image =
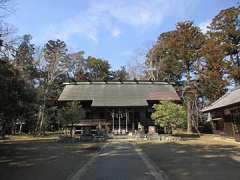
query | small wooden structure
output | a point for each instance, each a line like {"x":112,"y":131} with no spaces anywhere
{"x":224,"y":114}
{"x":88,"y":126}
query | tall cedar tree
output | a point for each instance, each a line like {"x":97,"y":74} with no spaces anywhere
{"x":212,"y":82}
{"x":26,"y":66}
{"x":226,"y":28}
{"x":24,"y":60}
{"x":188,"y":45}
{"x":174,"y":57}
{"x":162,"y":59}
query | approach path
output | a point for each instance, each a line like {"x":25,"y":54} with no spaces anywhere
{"x":118,"y":160}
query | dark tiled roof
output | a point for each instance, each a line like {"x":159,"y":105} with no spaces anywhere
{"x":230,"y":98}
{"x":112,"y":94}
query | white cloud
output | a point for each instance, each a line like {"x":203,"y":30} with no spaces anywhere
{"x":203,"y":25}
{"x":116,"y":32}
{"x":78,"y":25}
{"x":133,"y":12}
{"x":106,"y":15}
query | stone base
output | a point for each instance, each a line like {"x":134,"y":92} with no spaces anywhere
{"x":169,"y":138}
{"x":153,"y":136}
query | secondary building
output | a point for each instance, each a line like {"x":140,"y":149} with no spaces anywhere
{"x":118,"y":106}
{"x":224,"y":114}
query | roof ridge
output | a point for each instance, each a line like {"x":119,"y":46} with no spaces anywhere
{"x":116,"y":82}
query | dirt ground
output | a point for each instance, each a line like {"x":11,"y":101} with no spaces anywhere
{"x":14,"y":138}
{"x":205,"y":158}
{"x":43,"y":159}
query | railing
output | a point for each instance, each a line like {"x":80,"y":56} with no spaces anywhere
{"x":86,"y":122}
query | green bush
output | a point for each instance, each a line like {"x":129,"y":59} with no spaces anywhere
{"x":169,"y":115}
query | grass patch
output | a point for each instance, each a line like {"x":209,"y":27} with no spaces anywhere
{"x":26,"y":137}
{"x":185,"y":135}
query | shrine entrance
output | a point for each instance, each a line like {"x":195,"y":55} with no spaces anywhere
{"x":124,"y":121}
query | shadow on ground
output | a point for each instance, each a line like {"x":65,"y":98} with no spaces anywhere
{"x":42,"y":159}
{"x":196,"y":161}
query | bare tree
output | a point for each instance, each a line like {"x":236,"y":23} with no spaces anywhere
{"x":5,"y":8}
{"x":136,"y":67}
{"x":56,"y":63}
{"x":7,"y":43}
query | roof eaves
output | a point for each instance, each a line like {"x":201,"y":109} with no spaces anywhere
{"x":211,"y":106}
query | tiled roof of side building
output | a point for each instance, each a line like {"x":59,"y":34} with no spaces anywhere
{"x":230,"y":98}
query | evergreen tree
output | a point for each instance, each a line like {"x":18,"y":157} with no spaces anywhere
{"x":211,"y":75}
{"x":162,"y":61}
{"x":225,"y":27}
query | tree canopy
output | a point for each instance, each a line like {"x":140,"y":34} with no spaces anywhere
{"x":169,"y":114}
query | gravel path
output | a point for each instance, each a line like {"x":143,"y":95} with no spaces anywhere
{"x":118,"y":160}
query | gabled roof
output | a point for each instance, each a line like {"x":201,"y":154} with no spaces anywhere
{"x":116,"y":94}
{"x":230,"y":98}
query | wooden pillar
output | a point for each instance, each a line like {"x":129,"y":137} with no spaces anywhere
{"x":126,"y":122}
{"x":20,"y":128}
{"x":113,"y":121}
{"x":119,"y":122}
{"x":133,"y":123}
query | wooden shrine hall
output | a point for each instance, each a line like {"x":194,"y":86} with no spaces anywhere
{"x":117,"y":106}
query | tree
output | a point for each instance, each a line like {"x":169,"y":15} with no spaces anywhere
{"x":226,"y":28}
{"x":17,"y":98}
{"x":77,"y":66}
{"x":97,"y":69}
{"x":162,"y":61}
{"x":8,"y":95}
{"x":211,"y":77}
{"x":120,"y":74}
{"x":169,"y":115}
{"x":188,"y":43}
{"x":24,"y":60}
{"x":136,"y":67}
{"x":175,"y":56}
{"x":7,"y":47}
{"x":56,"y":65}
{"x":71,"y":113}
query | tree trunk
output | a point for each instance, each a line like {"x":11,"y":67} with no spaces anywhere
{"x":189,"y":117}
{"x":165,"y":130}
{"x":38,"y":119}
{"x":42,"y":115}
{"x":13,"y":128}
{"x":238,"y":69}
{"x":238,"y":60}
{"x":71,"y":130}
{"x":3,"y":132}
{"x":41,"y":119}
{"x":170,"y":129}
{"x":189,"y":109}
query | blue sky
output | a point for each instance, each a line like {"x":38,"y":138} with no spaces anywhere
{"x":115,"y":30}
